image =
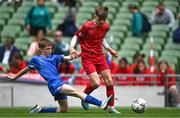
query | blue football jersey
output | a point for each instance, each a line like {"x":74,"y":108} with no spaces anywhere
{"x":48,"y":69}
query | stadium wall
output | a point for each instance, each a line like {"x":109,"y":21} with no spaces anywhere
{"x":22,"y":94}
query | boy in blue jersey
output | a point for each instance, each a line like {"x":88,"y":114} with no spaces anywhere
{"x":47,"y":65}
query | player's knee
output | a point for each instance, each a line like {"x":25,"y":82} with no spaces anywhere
{"x":76,"y":94}
{"x":109,"y":82}
{"x":173,"y":89}
{"x":96,"y":85}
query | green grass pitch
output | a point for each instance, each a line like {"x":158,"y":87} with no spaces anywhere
{"x":93,"y":112}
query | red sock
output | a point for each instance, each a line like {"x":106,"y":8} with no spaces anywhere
{"x":109,"y":92}
{"x":88,"y":89}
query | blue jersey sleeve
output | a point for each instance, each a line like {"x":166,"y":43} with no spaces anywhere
{"x":32,"y":64}
{"x":60,"y":58}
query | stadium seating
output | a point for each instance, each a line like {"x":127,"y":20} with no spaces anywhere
{"x":127,"y":53}
{"x":12,"y":23}
{"x":127,"y":46}
{"x":147,"y":53}
{"x":134,"y":40}
{"x":2,"y":24}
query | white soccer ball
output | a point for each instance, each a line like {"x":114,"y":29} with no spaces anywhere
{"x":139,"y":105}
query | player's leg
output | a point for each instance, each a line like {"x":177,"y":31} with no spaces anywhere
{"x":106,"y":74}
{"x":63,"y":106}
{"x":103,"y":69}
{"x":174,"y":91}
{"x":70,"y":91}
{"x":63,"y":103}
{"x":90,"y":70}
{"x":38,"y":109}
{"x":94,"y":82}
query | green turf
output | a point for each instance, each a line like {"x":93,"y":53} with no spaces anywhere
{"x":93,"y":112}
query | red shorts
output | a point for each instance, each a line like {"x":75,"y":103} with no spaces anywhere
{"x":92,"y":63}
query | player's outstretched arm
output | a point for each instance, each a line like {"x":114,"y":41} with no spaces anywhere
{"x":22,"y":72}
{"x":109,"y":49}
{"x":69,"y":57}
{"x":74,"y":53}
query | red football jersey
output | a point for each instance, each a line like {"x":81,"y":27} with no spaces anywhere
{"x":112,"y":66}
{"x":124,"y":80}
{"x":91,"y":36}
{"x":162,"y":76}
{"x":143,"y":80}
{"x":133,"y":66}
{"x":127,"y":70}
{"x":68,"y":70}
{"x":15,"y":70}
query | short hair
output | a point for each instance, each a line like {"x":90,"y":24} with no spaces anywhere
{"x":132,"y":6}
{"x":11,"y":39}
{"x":139,"y":54}
{"x":123,"y":59}
{"x":160,"y":4}
{"x":102,"y":12}
{"x":17,"y":55}
{"x":44,"y":42}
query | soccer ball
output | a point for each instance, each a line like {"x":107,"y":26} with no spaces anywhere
{"x":139,"y":105}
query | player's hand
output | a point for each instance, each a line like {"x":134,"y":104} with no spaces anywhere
{"x":113,"y":52}
{"x":116,"y":54}
{"x":74,"y":53}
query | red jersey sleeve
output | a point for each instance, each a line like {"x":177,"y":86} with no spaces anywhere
{"x":107,"y":27}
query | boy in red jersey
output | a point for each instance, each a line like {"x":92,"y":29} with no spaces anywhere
{"x":91,"y":37}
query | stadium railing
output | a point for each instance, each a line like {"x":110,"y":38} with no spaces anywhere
{"x":38,"y":78}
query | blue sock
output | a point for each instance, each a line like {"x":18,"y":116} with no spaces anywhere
{"x":92,"y":100}
{"x":48,"y":110}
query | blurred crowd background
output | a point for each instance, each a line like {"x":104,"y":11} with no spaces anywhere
{"x":146,"y":33}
